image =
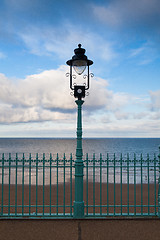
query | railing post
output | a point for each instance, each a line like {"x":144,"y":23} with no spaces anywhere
{"x":79,"y":203}
{"x":159,"y":185}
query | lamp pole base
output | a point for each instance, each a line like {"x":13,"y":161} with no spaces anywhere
{"x":78,"y":210}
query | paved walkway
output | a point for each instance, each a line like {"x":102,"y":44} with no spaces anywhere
{"x":99,"y":229}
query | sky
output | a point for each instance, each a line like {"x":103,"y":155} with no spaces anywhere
{"x":121,"y":37}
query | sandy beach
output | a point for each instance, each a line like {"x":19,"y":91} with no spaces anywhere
{"x":71,"y":229}
{"x":48,"y":196}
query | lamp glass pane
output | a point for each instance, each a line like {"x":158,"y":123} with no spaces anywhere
{"x":79,"y":66}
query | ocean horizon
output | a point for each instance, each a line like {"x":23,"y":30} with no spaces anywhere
{"x":91,"y":146}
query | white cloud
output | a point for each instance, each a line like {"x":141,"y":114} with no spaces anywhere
{"x":128,"y":12}
{"x":155,"y":100}
{"x":46,"y":96}
{"x":137,"y":51}
{"x":107,"y":15}
{"x":124,"y":128}
{"x":145,"y":54}
{"x":121,"y":115}
{"x":119,"y":100}
{"x":141,"y":115}
{"x":50,"y":40}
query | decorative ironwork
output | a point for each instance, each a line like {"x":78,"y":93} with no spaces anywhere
{"x":86,"y":76}
{"x":67,"y":74}
{"x":73,"y":75}
{"x":91,"y":74}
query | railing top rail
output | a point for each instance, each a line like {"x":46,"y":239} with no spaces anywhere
{"x":117,"y":158}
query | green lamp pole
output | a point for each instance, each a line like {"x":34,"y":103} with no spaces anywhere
{"x":79,"y":63}
{"x":79,"y":203}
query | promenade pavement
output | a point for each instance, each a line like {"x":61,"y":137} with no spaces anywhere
{"x":88,"y":229}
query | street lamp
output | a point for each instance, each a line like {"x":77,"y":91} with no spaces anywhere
{"x":79,"y":63}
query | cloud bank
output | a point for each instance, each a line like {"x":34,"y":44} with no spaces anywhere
{"x":45,"y":97}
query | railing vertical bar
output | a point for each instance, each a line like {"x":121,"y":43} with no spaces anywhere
{"x":148,"y":184}
{"x":107,"y":184}
{"x":128,"y":184}
{"x":121,"y":180}
{"x":23,"y":162}
{"x":94,"y":184}
{"x":2,"y":183}
{"x":114,"y":176}
{"x":71,"y":184}
{"x":100,"y":184}
{"x":57,"y":160}
{"x":87,"y":184}
{"x":134,"y":184}
{"x":50,"y":185}
{"x":9,"y":187}
{"x":16,"y":185}
{"x":155,"y":192}
{"x":37,"y":183}
{"x":30,"y":157}
{"x":43,"y":183}
{"x":64,"y":190}
{"x":141,"y":184}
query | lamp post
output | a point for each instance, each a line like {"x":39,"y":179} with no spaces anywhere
{"x":79,"y":63}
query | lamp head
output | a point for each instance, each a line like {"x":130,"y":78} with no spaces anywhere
{"x":79,"y":61}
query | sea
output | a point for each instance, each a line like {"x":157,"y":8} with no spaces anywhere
{"x":90,"y":145}
{"x":96,"y":146}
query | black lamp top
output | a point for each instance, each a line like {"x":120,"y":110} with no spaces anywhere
{"x":79,"y":55}
{"x":79,"y":50}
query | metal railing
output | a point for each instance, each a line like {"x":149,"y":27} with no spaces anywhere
{"x":122,"y":187}
{"x":112,"y":186}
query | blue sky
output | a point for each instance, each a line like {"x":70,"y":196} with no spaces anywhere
{"x":122,"y":37}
